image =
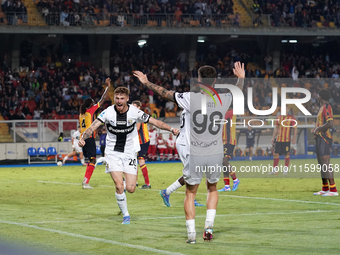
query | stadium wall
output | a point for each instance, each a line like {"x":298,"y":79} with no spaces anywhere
{"x":18,"y":151}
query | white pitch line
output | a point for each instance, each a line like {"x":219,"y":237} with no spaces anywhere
{"x":180,"y":217}
{"x":279,"y":199}
{"x":257,"y":198}
{"x":139,"y":247}
{"x":78,"y":184}
{"x":244,"y":214}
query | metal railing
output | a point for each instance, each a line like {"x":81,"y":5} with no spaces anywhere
{"x":39,"y":130}
{"x":122,"y":20}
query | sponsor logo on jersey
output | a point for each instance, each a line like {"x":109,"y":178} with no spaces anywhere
{"x":120,"y":130}
{"x":203,"y":144}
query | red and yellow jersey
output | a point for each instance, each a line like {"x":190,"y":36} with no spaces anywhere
{"x":229,"y":129}
{"x":143,"y":133}
{"x":325,"y":114}
{"x":284,"y":132}
{"x":85,"y":120}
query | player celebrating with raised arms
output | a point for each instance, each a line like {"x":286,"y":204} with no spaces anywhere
{"x":122,"y":143}
{"x":86,"y":116}
{"x":189,"y":142}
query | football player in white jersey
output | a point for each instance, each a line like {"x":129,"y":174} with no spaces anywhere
{"x":122,"y":143}
{"x":198,"y":138}
{"x":76,"y":148}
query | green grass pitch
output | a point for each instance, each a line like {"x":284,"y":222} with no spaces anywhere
{"x":46,"y":208}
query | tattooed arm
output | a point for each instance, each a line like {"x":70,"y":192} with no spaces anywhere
{"x":103,"y":98}
{"x":166,"y":94}
{"x":88,"y":132}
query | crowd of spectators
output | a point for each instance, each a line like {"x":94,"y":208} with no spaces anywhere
{"x":14,"y":10}
{"x":50,"y":85}
{"x":299,"y":13}
{"x":136,"y":13}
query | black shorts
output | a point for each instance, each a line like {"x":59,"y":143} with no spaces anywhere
{"x":323,"y":146}
{"x":144,"y":147}
{"x":282,"y":148}
{"x":90,"y":150}
{"x":228,"y":150}
{"x":102,"y":149}
{"x":250,"y":145}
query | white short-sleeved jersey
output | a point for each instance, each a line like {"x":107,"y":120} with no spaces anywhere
{"x":76,"y":137}
{"x":122,"y":135}
{"x":153,"y":137}
{"x":198,"y":131}
{"x":161,"y":144}
{"x":170,"y":142}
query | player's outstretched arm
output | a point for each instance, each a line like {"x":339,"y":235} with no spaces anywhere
{"x":163,"y":126}
{"x":240,"y":73}
{"x":103,"y":98}
{"x":166,"y":94}
{"x":88,"y":132}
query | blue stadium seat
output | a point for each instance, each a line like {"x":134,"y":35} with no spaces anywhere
{"x":31,"y":152}
{"x":51,"y":151}
{"x":42,"y":151}
{"x":99,"y":152}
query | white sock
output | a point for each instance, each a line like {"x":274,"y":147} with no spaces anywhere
{"x":173,"y":187}
{"x":64,"y":159}
{"x":101,"y":159}
{"x":82,"y":161}
{"x":121,"y":201}
{"x":209,"y":220}
{"x":191,"y":226}
{"x":285,"y":169}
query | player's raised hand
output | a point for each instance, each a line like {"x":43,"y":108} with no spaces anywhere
{"x":239,"y":70}
{"x":141,"y":77}
{"x":81,"y":143}
{"x":108,"y":82}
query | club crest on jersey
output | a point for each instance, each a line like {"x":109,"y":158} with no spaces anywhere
{"x":144,"y":117}
{"x":130,"y":122}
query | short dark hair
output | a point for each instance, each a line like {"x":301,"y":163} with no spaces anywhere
{"x":122,"y":90}
{"x":207,"y":72}
{"x":137,"y":102}
{"x":325,"y":94}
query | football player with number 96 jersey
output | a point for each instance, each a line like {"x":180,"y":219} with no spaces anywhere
{"x":200,"y":141}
